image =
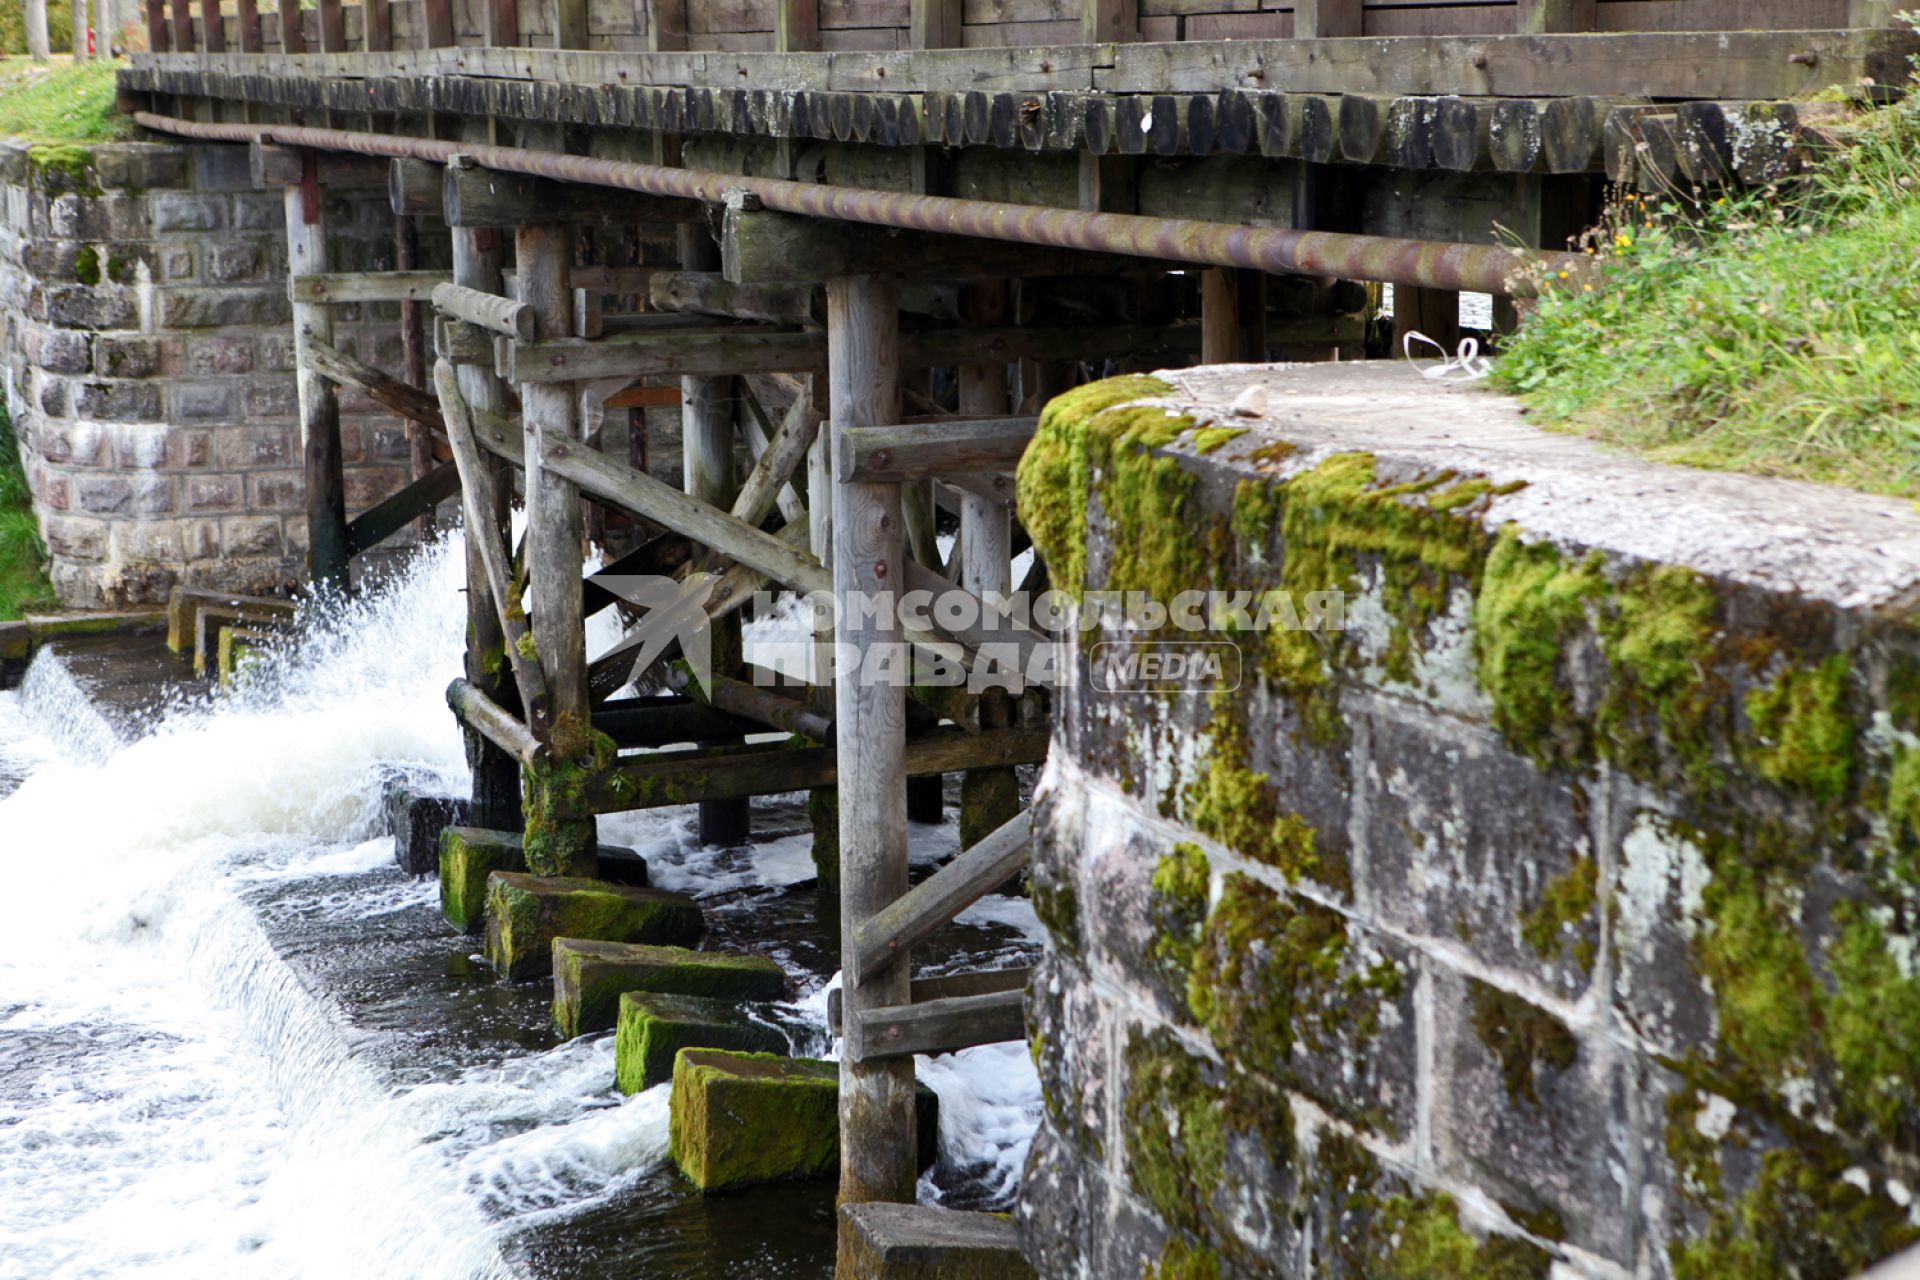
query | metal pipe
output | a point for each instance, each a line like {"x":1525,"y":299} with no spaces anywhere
{"x":1423,"y":264}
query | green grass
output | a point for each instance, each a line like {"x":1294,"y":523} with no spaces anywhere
{"x":59,"y":102}
{"x":23,"y":561}
{"x":1777,"y":332}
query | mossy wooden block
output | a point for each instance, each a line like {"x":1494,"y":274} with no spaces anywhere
{"x":526,"y":913}
{"x":656,"y":1025}
{"x":590,"y":977}
{"x":16,"y":641}
{"x":880,"y":1241}
{"x":468,"y":855}
{"x":738,"y":1119}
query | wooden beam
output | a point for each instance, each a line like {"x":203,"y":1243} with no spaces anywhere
{"x":276,"y":166}
{"x":710,"y":293}
{"x":369,"y":286}
{"x":437,"y":17}
{"x":1109,"y":21}
{"x":476,"y":197}
{"x":1320,"y":19}
{"x":1233,"y":316}
{"x":327,"y":551}
{"x":159,"y":36}
{"x":796,"y":26}
{"x":936,"y":1026}
{"x":183,"y":26}
{"x":333,"y":26}
{"x":882,"y":940}
{"x":341,"y":369}
{"x":416,"y":187}
{"x":763,"y":706}
{"x":379,"y":522}
{"x":934,"y":24}
{"x":376,"y":18}
{"x":665,"y":721}
{"x":666,"y":25}
{"x":777,"y":462}
{"x":896,"y":454}
{"x":1533,"y":17}
{"x":494,"y":722}
{"x":570,"y":24}
{"x":488,"y":310}
{"x":760,"y":439}
{"x":213,"y":28}
{"x":976,"y":982}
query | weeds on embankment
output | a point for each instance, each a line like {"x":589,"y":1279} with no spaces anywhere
{"x":1774,"y":331}
{"x":60,"y":102}
{"x":23,"y":560}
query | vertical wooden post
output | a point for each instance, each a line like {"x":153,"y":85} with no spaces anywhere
{"x":1319,"y":19}
{"x":560,"y":838}
{"x":333,"y":26}
{"x":1537,"y":17}
{"x":80,"y":29}
{"x":292,"y":38}
{"x":666,"y":26}
{"x":706,"y":453}
{"x":934,"y":24}
{"x":1110,"y":21}
{"x":376,"y":31}
{"x":1434,"y":313}
{"x":413,"y":353}
{"x":183,"y":26}
{"x":823,"y":803}
{"x":876,"y":1097}
{"x":1233,"y":316}
{"x":158,"y":38}
{"x":496,"y":775}
{"x":988,"y":797}
{"x":319,"y":409}
{"x":796,"y":26}
{"x":569,"y":24}
{"x":249,"y":24}
{"x":437,"y":19}
{"x":500,"y":22}
{"x":213,"y":30}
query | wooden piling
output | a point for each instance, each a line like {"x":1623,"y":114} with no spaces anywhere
{"x":319,"y":407}
{"x":877,"y":1156}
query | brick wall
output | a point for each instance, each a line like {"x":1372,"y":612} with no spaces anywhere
{"x":148,"y":356}
{"x":1557,"y":915}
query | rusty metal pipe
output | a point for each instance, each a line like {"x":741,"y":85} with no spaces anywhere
{"x":1424,"y":264}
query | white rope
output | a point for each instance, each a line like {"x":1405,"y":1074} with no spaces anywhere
{"x":1464,"y":365}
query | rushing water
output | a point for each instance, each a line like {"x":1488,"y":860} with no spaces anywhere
{"x":236,"y":1041}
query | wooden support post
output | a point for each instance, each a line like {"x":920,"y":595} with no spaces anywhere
{"x":319,"y":407}
{"x":437,"y":17}
{"x":333,"y":26}
{"x":1110,"y":21}
{"x":1233,"y":316}
{"x":934,"y":24}
{"x":213,"y":29}
{"x":292,"y":38}
{"x":666,"y":26}
{"x":1433,"y":313}
{"x":1319,"y":19}
{"x":877,"y":1157}
{"x":158,"y":37}
{"x":183,"y":26}
{"x":560,"y":833}
{"x":796,"y":26}
{"x":883,"y":940}
{"x":706,"y":445}
{"x":249,"y":24}
{"x":1536,"y":17}
{"x":377,"y":31}
{"x":413,"y":348}
{"x":569,"y":24}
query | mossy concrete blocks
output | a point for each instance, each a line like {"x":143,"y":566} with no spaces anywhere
{"x":526,"y":913}
{"x":881,"y":1241}
{"x":590,"y":977}
{"x":656,"y":1025}
{"x":415,"y":818}
{"x":744,"y":1118}
{"x":468,"y":855}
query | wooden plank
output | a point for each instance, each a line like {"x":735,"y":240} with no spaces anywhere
{"x":898,"y":454}
{"x":1553,"y":15}
{"x":475,"y":196}
{"x":488,"y":310}
{"x":328,"y":362}
{"x":333,"y":26}
{"x":711,"y":293}
{"x":183,"y":25}
{"x":977,"y":982}
{"x":379,"y":522}
{"x":1233,"y":316}
{"x":500,"y":22}
{"x":415,"y":187}
{"x":777,"y":461}
{"x":327,"y":551}
{"x":159,"y":31}
{"x":1320,"y":19}
{"x":936,"y":1026}
{"x":248,"y":12}
{"x":438,"y":23}
{"x":369,"y":286}
{"x":666,"y":25}
{"x":376,"y":25}
{"x":570,"y":24}
{"x":1109,"y":21}
{"x":883,"y":939}
{"x":796,"y":25}
{"x":213,"y":30}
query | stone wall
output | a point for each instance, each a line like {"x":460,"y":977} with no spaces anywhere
{"x":148,"y":355}
{"x":1558,"y":914}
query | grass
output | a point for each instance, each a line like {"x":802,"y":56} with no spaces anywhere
{"x":1777,"y":332}
{"x":23,"y":561}
{"x":60,"y":102}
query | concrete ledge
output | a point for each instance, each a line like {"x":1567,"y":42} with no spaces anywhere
{"x":654,"y":1026}
{"x":415,"y":819}
{"x":526,"y":913}
{"x":925,"y":1242}
{"x":590,"y":977}
{"x":468,"y":855}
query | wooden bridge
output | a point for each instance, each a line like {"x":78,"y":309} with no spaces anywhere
{"x":918,"y":220}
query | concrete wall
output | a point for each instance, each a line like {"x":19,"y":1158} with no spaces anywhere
{"x":148,"y":356}
{"x":1557,"y":915}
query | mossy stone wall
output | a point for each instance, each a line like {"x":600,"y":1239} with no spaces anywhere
{"x":1559,"y":908}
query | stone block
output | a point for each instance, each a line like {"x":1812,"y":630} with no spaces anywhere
{"x":213,"y":494}
{"x":250,"y":448}
{"x":178,"y":265}
{"x":56,"y":396}
{"x":366,"y":486}
{"x":260,"y":536}
{"x":186,"y":449}
{"x":62,"y":351}
{"x":95,"y":307}
{"x":99,"y":218}
{"x":276,"y":399}
{"x":232,"y":261}
{"x":149,"y":542}
{"x":415,"y":818}
{"x":51,"y":489}
{"x":74,"y":444}
{"x":391,"y":444}
{"x":121,"y":356}
{"x":76,"y":537}
{"x":216,"y":354}
{"x":140,"y":166}
{"x":104,"y":494}
{"x":191,"y":308}
{"x":276,"y":491}
{"x":468,"y":855}
{"x":200,"y":401}
{"x":590,"y":977}
{"x":525,"y":913}
{"x":655,"y":1025}
{"x":739,"y":1119}
{"x":153,"y":494}
{"x":117,"y":401}
{"x":178,"y":211}
{"x":222,"y":168}
{"x":881,"y":1241}
{"x":259,"y":211}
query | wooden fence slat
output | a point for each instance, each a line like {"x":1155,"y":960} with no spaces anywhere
{"x":1539,"y":16}
{"x":249,"y":23}
{"x":1320,"y":19}
{"x":376,"y":25}
{"x":333,"y":26}
{"x":438,"y":21}
{"x":796,"y":26}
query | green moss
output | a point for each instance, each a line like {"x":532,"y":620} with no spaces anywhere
{"x":1178,"y":909}
{"x":1531,"y":605}
{"x":73,"y":164}
{"x":1058,"y":907}
{"x":590,"y":977}
{"x":468,"y":855}
{"x":1175,"y":1130}
{"x":1207,"y":439}
{"x":1873,"y":1028}
{"x":1751,"y":954}
{"x":1659,"y":639}
{"x":1522,"y":1037}
{"x":1236,"y":806}
{"x":1181,"y":1259}
{"x":560,"y":835}
{"x":737,"y":1119}
{"x":1903,"y":803}
{"x":1800,"y":1218}
{"x":1566,"y":907}
{"x":654,"y":1026}
{"x":1805,"y":733}
{"x":1424,"y":1240}
{"x":86,"y":265}
{"x":525,"y":913}
{"x":526,"y":648}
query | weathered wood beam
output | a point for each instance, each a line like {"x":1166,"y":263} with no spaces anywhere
{"x":494,"y":722}
{"x":896,"y":454}
{"x":327,"y":552}
{"x":760,"y":432}
{"x":666,"y":721}
{"x":276,"y":166}
{"x":368,"y":286}
{"x":777,"y":460}
{"x":384,"y":519}
{"x":947,"y":986}
{"x":338,"y":367}
{"x":490,"y":311}
{"x":1537,"y":16}
{"x":1320,"y":19}
{"x":711,"y":293}
{"x":936,"y":1026}
{"x":767,"y":709}
{"x":477,"y":197}
{"x":416,"y":187}
{"x":882,"y":939}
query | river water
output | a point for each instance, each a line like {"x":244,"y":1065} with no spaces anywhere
{"x":236,"y":1041}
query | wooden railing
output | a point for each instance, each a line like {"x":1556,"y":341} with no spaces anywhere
{"x":748,"y":26}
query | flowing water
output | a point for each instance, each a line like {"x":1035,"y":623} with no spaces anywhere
{"x":236,"y":1041}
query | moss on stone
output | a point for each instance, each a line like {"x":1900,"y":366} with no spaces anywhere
{"x":1238,"y":807}
{"x":1751,"y":955}
{"x":655,"y":1025}
{"x":1530,"y":606}
{"x":1522,"y":1038}
{"x":1873,"y":1028}
{"x":589,"y":978}
{"x":1801,"y":1217}
{"x":468,"y":855}
{"x":1207,"y":439}
{"x":1565,"y":909}
{"x":1659,"y":640}
{"x":559,"y":814}
{"x":1178,"y":909}
{"x":86,"y":265}
{"x":526,"y":913}
{"x":73,"y":164}
{"x":1182,"y":1259}
{"x":1804,"y":732}
{"x":1175,"y":1130}
{"x":1903,"y":799}
{"x":1423,"y":1240}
